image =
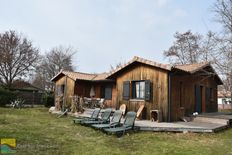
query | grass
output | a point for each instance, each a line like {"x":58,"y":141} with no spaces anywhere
{"x":38,"y":132}
{"x":225,"y":110}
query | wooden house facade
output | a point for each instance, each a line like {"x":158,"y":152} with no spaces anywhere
{"x":172,"y":91}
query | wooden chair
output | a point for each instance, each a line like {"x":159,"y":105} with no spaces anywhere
{"x":123,"y":109}
{"x":141,"y":107}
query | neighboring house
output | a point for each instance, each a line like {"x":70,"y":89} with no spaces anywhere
{"x":224,"y":100}
{"x":29,"y":93}
{"x":173,"y":91}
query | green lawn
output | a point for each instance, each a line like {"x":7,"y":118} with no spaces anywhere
{"x":38,"y":132}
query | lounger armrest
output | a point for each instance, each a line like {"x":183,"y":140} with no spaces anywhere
{"x":114,"y":124}
{"x":127,"y":127}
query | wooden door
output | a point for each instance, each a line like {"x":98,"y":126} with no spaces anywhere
{"x":198,"y":98}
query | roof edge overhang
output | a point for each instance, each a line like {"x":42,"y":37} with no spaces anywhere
{"x":57,"y":76}
{"x":219,"y":81}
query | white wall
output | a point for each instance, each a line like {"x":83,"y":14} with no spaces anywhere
{"x":220,"y":100}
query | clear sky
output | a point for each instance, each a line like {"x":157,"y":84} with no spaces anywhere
{"x":106,"y":31}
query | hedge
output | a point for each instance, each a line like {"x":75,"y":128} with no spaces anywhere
{"x":6,"y":96}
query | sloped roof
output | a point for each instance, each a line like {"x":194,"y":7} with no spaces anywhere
{"x":192,"y":68}
{"x":81,"y":76}
{"x":19,"y":84}
{"x":143,"y":61}
{"x":188,"y":68}
{"x":78,"y":75}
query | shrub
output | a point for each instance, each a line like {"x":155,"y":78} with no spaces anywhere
{"x":6,"y":96}
{"x":48,"y":100}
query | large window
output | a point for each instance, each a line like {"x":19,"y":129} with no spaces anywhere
{"x":138,"y":89}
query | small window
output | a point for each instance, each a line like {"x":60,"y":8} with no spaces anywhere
{"x":138,"y":89}
{"x":108,"y":92}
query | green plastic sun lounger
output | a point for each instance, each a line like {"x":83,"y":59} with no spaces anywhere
{"x":115,"y":121}
{"x":93,"y":117}
{"x":127,"y":125}
{"x":105,"y":118}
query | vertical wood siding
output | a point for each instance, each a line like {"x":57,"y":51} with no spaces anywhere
{"x":159,"y":80}
{"x":188,"y":99}
{"x":69,"y":88}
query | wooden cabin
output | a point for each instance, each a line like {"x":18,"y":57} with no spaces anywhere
{"x":172,"y":92}
{"x":69,"y":84}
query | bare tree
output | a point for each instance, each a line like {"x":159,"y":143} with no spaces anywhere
{"x":191,"y":48}
{"x":223,"y":15}
{"x":59,"y":58}
{"x":118,"y":65}
{"x":18,"y":57}
{"x":223,"y":12}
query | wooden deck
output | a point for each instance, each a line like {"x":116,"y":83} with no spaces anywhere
{"x":145,"y":125}
{"x":204,"y":123}
{"x":207,"y":122}
{"x":219,"y":116}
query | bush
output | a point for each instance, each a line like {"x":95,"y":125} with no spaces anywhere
{"x":48,"y":100}
{"x":6,"y":96}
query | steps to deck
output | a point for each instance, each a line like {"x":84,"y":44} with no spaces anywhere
{"x":211,"y":120}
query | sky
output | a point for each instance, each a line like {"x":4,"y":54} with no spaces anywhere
{"x":105,"y":32}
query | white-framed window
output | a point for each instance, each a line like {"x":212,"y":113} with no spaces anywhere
{"x":138,"y":89}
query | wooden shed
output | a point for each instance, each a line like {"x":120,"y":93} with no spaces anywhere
{"x":170,"y":91}
{"x":29,"y":93}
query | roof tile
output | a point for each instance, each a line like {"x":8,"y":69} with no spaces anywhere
{"x":191,"y":68}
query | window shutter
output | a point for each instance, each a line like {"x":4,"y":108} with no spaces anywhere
{"x":102,"y":92}
{"x":147,"y":90}
{"x":108,"y":93}
{"x":133,"y":89}
{"x":126,"y":90}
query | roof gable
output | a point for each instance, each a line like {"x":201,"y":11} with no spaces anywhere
{"x":142,"y":61}
{"x":199,"y":67}
{"x":192,"y":68}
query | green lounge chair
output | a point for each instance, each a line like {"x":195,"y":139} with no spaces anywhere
{"x":104,"y":118}
{"x":115,"y":121}
{"x":93,"y":117}
{"x":127,"y":125}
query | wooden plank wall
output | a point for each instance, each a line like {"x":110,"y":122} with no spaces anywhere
{"x":82,"y":88}
{"x":188,"y":94}
{"x":159,"y":79}
{"x":69,"y":88}
{"x":108,"y":103}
